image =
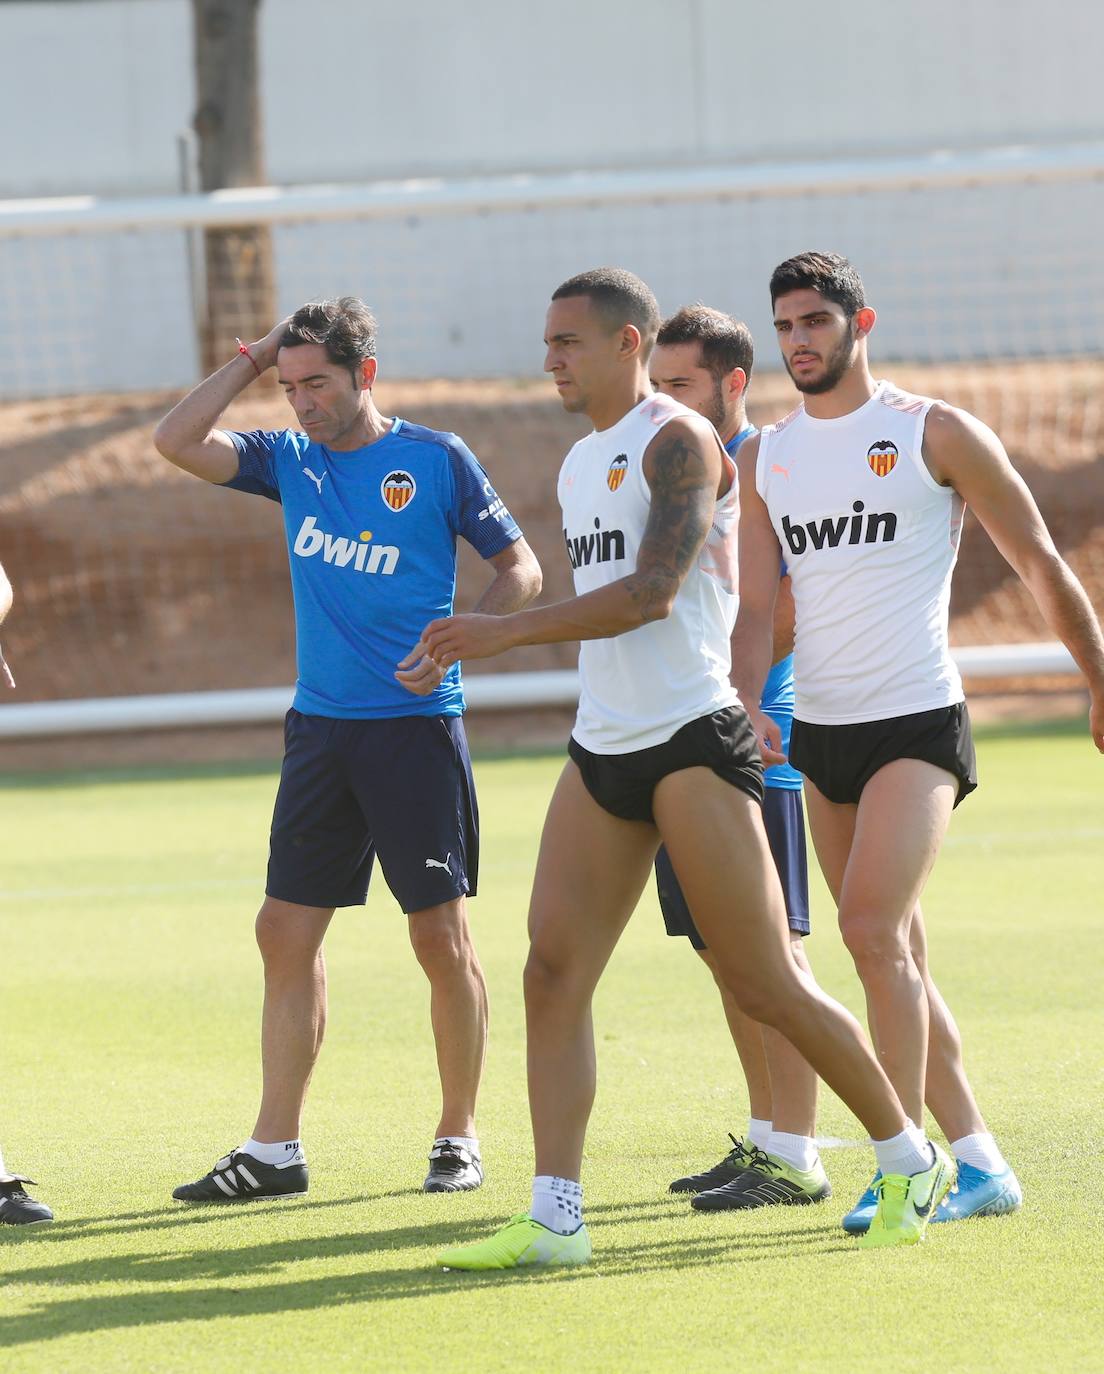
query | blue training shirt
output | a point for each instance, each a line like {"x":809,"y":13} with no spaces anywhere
{"x":371,"y":538}
{"x":778,"y":690}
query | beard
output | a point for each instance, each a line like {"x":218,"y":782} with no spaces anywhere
{"x":835,"y":367}
{"x":714,"y":412}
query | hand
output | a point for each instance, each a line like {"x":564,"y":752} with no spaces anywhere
{"x":5,"y":671}
{"x":264,"y":350}
{"x":418,"y":673}
{"x":467,"y":636}
{"x":769,"y":736}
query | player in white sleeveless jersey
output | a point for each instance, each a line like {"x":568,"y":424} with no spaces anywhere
{"x":862,"y":490}
{"x":661,"y":749}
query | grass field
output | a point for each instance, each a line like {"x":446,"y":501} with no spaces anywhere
{"x":129,"y":995}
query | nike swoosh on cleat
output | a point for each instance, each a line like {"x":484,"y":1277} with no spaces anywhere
{"x":923,"y":1211}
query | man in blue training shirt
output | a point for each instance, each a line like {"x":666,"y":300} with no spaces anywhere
{"x":703,"y":358}
{"x":376,"y":759}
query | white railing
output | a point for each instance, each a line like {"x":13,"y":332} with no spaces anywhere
{"x":485,"y":692}
{"x":427,"y":196}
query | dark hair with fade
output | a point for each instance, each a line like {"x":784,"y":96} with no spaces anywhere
{"x":831,"y":275}
{"x":345,"y":328}
{"x":724,"y":340}
{"x":619,"y":297}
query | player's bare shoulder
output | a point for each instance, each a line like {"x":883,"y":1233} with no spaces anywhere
{"x":686,"y":451}
{"x":956,"y":443}
{"x":747,"y":456}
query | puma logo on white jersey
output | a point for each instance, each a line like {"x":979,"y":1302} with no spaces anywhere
{"x":436,"y":863}
{"x":316,"y":480}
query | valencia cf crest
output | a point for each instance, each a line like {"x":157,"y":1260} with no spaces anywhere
{"x":882,"y":457}
{"x":398,"y":489}
{"x":617,"y":469}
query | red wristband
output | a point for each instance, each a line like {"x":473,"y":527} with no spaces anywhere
{"x":243,"y":349}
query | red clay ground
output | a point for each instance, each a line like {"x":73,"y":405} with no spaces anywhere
{"x":132,"y":578}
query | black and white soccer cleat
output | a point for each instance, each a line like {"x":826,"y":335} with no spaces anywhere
{"x":238,"y":1177}
{"x":17,"y":1208}
{"x":453,"y":1168}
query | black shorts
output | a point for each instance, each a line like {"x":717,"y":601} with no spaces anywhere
{"x":784,"y":820}
{"x":839,"y":760}
{"x":401,"y":788}
{"x":623,"y":784}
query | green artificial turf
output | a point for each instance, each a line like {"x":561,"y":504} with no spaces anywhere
{"x":129,"y":999}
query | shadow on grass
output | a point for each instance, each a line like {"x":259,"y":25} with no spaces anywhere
{"x":180,"y":1214}
{"x":50,"y":1320}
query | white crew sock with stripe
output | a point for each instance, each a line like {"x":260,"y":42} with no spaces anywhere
{"x":280,"y":1154}
{"x":557,"y":1203}
{"x":907,"y":1153}
{"x":980,"y":1150}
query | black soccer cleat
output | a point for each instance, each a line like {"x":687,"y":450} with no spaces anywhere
{"x":16,"y":1207}
{"x":452,"y":1168}
{"x":735,"y":1162}
{"x":766,"y":1182}
{"x":238,"y":1177}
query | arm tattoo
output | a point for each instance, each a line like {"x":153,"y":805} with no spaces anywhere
{"x":684,"y":493}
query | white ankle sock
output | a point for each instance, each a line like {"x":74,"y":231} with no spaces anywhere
{"x":279,"y":1153}
{"x":980,"y":1150}
{"x":798,"y":1150}
{"x":907,"y":1153}
{"x":469,"y":1142}
{"x":557,"y":1203}
{"x":758,"y":1132}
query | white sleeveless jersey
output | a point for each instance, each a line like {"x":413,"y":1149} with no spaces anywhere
{"x":638,"y":688}
{"x":870,"y":540}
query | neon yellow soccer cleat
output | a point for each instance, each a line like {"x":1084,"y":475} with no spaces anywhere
{"x":521,"y":1241}
{"x":907,"y":1202}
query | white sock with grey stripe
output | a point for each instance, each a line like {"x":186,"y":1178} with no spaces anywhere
{"x":280,"y":1154}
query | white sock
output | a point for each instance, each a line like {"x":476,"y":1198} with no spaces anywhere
{"x":557,"y":1203}
{"x":469,"y":1142}
{"x":798,"y":1150}
{"x":2,"y":1169}
{"x":907,"y":1153}
{"x":280,"y":1153}
{"x":980,"y":1150}
{"x":758,"y":1133}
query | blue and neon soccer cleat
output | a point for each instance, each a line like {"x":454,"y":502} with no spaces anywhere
{"x":858,"y":1220}
{"x":907,"y":1202}
{"x":980,"y":1194}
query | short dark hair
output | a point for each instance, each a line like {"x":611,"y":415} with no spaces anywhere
{"x":345,"y":328}
{"x":724,"y":340}
{"x":619,"y":297}
{"x":831,"y":275}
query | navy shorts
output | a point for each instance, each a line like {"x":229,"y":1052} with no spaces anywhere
{"x":839,"y":760}
{"x":784,"y":819}
{"x":401,"y":788}
{"x":724,"y":742}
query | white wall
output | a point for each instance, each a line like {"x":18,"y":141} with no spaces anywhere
{"x":358,"y":89}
